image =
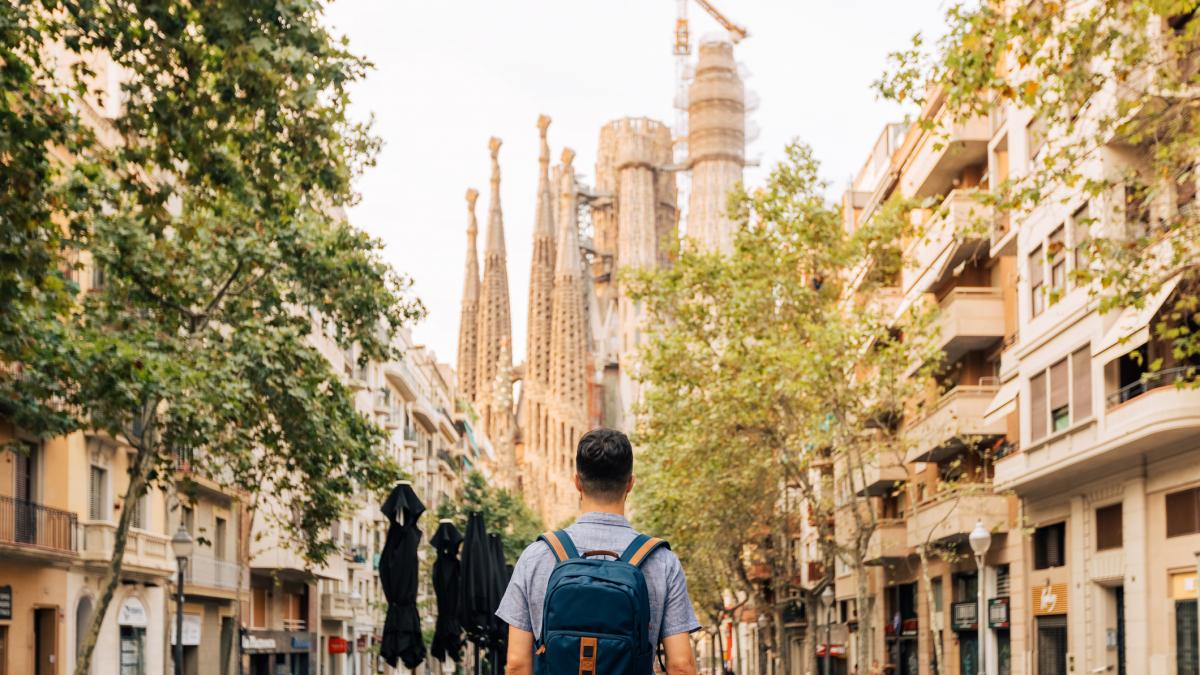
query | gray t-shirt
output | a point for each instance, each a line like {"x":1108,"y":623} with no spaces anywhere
{"x":671,"y":610}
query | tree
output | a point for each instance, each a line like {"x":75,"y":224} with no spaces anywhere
{"x":209,"y":209}
{"x":504,"y":512}
{"x":773,"y":370}
{"x":1112,"y":89}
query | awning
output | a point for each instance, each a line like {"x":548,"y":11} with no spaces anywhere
{"x":1004,"y":403}
{"x":1132,"y":328}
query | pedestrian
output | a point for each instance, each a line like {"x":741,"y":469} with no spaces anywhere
{"x":586,"y":613}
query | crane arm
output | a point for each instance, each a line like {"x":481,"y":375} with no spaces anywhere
{"x":736,"y":32}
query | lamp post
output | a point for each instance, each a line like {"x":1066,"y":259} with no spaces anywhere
{"x":827,"y":601}
{"x":981,"y":541}
{"x":181,"y":545}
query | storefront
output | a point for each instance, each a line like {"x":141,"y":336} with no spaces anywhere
{"x":1049,"y":603}
{"x":132,"y":622}
{"x":1187,"y":632}
{"x":999,"y":620}
{"x":278,"y":652}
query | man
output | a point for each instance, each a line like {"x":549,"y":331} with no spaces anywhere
{"x":604,"y":477}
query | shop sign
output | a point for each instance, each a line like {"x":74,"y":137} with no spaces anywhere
{"x":5,"y":603}
{"x":1049,"y":599}
{"x":964,"y":616}
{"x":1183,"y":585}
{"x":191,"y":630}
{"x":132,"y":613}
{"x":258,"y":644}
{"x":834,"y":650}
{"x":301,"y":643}
{"x":909,"y":627}
{"x":337,"y":645}
{"x":998,"y":613}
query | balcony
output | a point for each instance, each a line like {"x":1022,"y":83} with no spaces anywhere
{"x":146,"y":553}
{"x":970,"y":318}
{"x":958,"y":230}
{"x":951,"y":514}
{"x":879,"y":475}
{"x":943,"y":152}
{"x":401,"y":377}
{"x":888,"y":542}
{"x":956,"y":420}
{"x":357,"y":554}
{"x":1151,"y":421}
{"x":207,"y":571}
{"x":338,"y":606}
{"x":28,"y":527}
{"x":382,"y":400}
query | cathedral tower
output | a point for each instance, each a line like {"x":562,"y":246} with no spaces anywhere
{"x":468,"y":333}
{"x":494,"y":322}
{"x":716,"y":143}
{"x":536,"y":380}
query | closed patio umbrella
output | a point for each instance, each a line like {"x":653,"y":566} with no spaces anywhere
{"x":398,"y":567}
{"x":475,"y":599}
{"x":447,"y":584}
{"x":500,"y":576}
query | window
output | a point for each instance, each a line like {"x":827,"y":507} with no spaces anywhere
{"x":1060,"y":396}
{"x":1081,"y":234}
{"x":138,"y":519}
{"x":133,"y":650}
{"x":1058,"y":263}
{"x":1035,"y":136}
{"x":1187,"y":653}
{"x":1081,"y":384}
{"x":1052,"y":645}
{"x":97,"y":275}
{"x":1037,"y":278}
{"x":258,"y":607}
{"x":1137,"y":208}
{"x":1183,"y":512}
{"x":187,"y":518}
{"x":1003,"y":581}
{"x":1108,"y":527}
{"x":219,"y":536}
{"x":1185,"y":191}
{"x":1037,"y":406}
{"x":1049,"y":546}
{"x":98,"y":493}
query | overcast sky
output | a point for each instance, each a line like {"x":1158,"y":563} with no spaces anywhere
{"x":449,"y":74}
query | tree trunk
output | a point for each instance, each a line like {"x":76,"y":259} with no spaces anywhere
{"x":781,"y":650}
{"x":934,"y":631}
{"x":862,"y":599}
{"x":137,"y":485}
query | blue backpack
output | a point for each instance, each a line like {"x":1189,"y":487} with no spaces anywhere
{"x":596,"y":619}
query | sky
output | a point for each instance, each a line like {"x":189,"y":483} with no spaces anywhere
{"x":450,"y":74}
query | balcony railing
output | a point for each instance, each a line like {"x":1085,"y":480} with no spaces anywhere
{"x":295,"y":624}
{"x":30,"y":524}
{"x":1151,"y":381}
{"x":205,"y":570}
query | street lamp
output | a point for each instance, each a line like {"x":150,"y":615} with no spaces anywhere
{"x":181,"y":545}
{"x":827,"y":601}
{"x":981,"y":541}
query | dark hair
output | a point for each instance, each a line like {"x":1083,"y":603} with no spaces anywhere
{"x":604,"y":462}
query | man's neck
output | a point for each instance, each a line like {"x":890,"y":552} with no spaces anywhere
{"x":590,"y":506}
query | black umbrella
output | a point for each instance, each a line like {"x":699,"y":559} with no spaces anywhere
{"x":402,"y":640}
{"x":475,"y":600}
{"x":499,"y":576}
{"x":447,"y":633}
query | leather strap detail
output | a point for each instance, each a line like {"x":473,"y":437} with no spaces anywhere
{"x":645,"y":549}
{"x":555,"y":545}
{"x":611,"y":554}
{"x":587,"y":655}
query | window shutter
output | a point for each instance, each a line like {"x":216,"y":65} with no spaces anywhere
{"x":1081,"y":384}
{"x":96,"y":494}
{"x":1058,"y":244}
{"x":1108,"y":527}
{"x":1059,"y":385}
{"x":1183,"y":512}
{"x":1037,"y":271}
{"x":1037,"y":406}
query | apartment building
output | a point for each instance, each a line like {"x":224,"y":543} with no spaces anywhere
{"x":932,"y":497}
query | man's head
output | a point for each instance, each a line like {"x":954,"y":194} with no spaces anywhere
{"x":604,"y":466}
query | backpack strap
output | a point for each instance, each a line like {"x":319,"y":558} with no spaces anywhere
{"x":560,"y":544}
{"x":641,"y":547}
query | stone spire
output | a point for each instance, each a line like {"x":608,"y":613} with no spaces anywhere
{"x":568,"y":352}
{"x":541,"y":276}
{"x":503,"y":432}
{"x":468,"y":329}
{"x":495,"y":322}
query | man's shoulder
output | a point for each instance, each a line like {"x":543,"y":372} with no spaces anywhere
{"x":536,"y":552}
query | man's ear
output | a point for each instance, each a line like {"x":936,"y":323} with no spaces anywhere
{"x":629,"y":485}
{"x":578,"y":484}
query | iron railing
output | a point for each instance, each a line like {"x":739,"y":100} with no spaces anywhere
{"x":28,"y":523}
{"x":1150,"y":381}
